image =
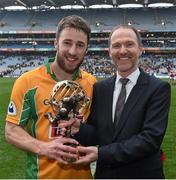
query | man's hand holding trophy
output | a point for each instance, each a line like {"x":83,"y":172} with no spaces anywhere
{"x":68,"y":101}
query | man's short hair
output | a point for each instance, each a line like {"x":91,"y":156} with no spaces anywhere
{"x":75,"y":22}
{"x":125,"y":26}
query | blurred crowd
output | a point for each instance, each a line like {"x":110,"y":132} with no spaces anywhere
{"x":99,"y":65}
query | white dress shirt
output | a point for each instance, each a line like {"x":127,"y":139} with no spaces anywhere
{"x":129,"y":86}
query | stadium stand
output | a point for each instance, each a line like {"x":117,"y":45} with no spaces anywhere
{"x":27,"y":36}
{"x":106,"y":19}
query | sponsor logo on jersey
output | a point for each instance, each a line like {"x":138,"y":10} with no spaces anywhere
{"x":12,"y":110}
{"x":54,"y":130}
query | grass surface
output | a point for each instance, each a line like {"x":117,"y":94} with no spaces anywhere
{"x":12,"y":160}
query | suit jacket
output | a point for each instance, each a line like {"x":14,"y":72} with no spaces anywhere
{"x":133,"y":149}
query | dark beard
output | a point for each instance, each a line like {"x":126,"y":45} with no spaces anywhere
{"x":61,"y":64}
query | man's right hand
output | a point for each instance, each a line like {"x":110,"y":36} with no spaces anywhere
{"x":58,"y":150}
{"x":55,"y":149}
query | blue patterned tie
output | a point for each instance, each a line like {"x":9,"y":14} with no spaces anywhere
{"x":120,"y":102}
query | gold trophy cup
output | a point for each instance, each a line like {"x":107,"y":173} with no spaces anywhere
{"x":67,"y":100}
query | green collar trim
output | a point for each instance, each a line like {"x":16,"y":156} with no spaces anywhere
{"x":76,"y":74}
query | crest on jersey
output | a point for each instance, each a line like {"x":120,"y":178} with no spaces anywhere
{"x":12,"y":110}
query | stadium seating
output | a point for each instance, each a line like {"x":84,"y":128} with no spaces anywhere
{"x":99,"y":18}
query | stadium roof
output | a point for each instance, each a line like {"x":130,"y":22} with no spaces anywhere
{"x":85,"y":3}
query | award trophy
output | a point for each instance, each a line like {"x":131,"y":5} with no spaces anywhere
{"x":67,"y":100}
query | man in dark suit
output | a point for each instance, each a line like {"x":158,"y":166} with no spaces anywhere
{"x":129,"y":148}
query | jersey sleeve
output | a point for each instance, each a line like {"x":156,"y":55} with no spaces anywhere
{"x":19,"y":109}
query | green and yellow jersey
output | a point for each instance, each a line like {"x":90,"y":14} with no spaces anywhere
{"x":27,"y":109}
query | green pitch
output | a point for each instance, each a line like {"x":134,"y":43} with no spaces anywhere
{"x":12,"y":160}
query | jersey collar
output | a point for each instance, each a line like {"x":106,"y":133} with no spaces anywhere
{"x":76,"y":74}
